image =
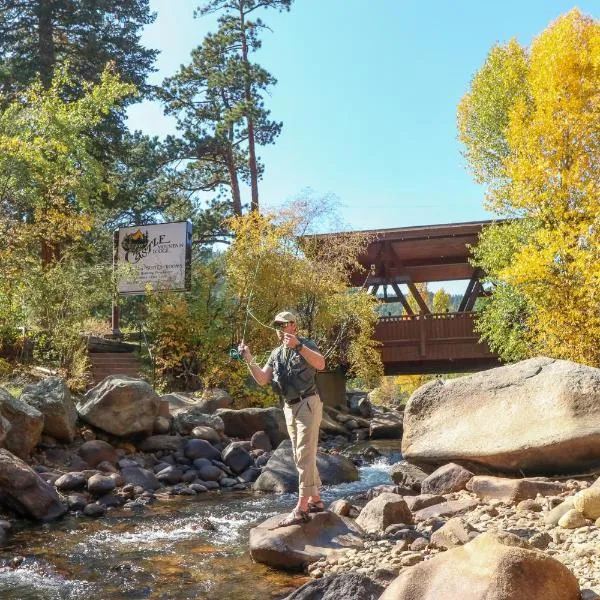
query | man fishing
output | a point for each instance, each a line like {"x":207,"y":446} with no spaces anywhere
{"x":291,"y":369}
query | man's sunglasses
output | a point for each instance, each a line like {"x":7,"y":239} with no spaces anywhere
{"x":281,"y":325}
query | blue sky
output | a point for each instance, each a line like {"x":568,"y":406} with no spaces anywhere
{"x":367,"y":92}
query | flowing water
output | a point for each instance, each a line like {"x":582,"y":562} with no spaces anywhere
{"x":162,"y":552}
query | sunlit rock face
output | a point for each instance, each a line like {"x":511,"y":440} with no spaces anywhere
{"x":540,"y":416}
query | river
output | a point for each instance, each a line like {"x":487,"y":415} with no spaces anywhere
{"x":161,"y":552}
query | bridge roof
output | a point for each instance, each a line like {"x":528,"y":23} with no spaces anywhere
{"x":419,"y":254}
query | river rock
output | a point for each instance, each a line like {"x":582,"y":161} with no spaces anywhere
{"x":587,"y":502}
{"x":243,"y":423}
{"x":71,"y":481}
{"x":161,"y":426}
{"x":360,"y":405}
{"x":383,"y":511}
{"x":512,"y":490}
{"x":446,"y":509}
{"x":100,"y":485}
{"x":53,"y":399}
{"x":185,"y":421}
{"x":280,"y":473}
{"x":195,"y":448}
{"x":22,"y":490}
{"x":296,"y":546}
{"x":140,"y":477}
{"x":4,"y":428}
{"x":455,"y":532}
{"x":238,"y":458}
{"x":349,"y":586}
{"x":166,"y":443}
{"x":203,"y":432}
{"x":213,"y":399}
{"x":537,"y":416}
{"x":331,"y":426}
{"x":261,"y":441}
{"x":388,"y":426}
{"x":494,"y":566}
{"x":446,"y":480}
{"x":26,"y":425}
{"x":95,"y":452}
{"x":121,"y":405}
{"x":407,"y":475}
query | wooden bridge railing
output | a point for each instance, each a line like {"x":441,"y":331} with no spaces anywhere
{"x":435,"y":337}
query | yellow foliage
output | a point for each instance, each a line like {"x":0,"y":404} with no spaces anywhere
{"x":549,"y":173}
{"x":270,"y":267}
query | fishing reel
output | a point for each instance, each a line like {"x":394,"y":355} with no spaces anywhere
{"x":234,"y":353}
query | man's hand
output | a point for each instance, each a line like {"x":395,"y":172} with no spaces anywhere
{"x":290,"y":340}
{"x":244,"y":351}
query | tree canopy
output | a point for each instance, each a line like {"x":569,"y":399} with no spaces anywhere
{"x":530,"y":124}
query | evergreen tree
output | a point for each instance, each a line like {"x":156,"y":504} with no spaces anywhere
{"x":238,"y":38}
{"x":36,"y":36}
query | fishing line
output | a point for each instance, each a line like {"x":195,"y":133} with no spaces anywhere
{"x":233,"y":351}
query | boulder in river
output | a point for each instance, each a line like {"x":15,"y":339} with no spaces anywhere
{"x":280,"y":473}
{"x":53,"y":399}
{"x":121,"y":405}
{"x":494,"y":566}
{"x":294,"y":547}
{"x":539,"y":416}
{"x":243,"y":423}
{"x":25,"y":492}
{"x":26,"y":425}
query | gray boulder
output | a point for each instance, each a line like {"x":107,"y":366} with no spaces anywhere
{"x":26,"y":425}
{"x":141,"y":477}
{"x":243,"y":423}
{"x":195,"y":448}
{"x":539,"y":416}
{"x":354,"y":586}
{"x":95,"y":452}
{"x":299,"y":545}
{"x":53,"y":399}
{"x":383,"y":511}
{"x":387,"y":426}
{"x":447,"y":479}
{"x":236,"y":457}
{"x":168,"y":443}
{"x":121,"y":405}
{"x":280,"y":474}
{"x":25,"y":492}
{"x":185,"y":421}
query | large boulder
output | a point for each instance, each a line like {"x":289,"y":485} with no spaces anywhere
{"x":243,"y":423}
{"x":539,"y":416}
{"x":280,"y":473}
{"x":53,"y":399}
{"x":494,"y":566}
{"x":121,"y":405}
{"x":325,"y":534}
{"x":350,"y":586}
{"x":95,"y":452}
{"x":26,"y":425}
{"x":25,"y":492}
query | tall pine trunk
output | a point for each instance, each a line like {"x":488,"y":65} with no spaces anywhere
{"x":249,"y":120}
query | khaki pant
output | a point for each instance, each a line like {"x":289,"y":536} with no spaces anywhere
{"x":303,"y":421}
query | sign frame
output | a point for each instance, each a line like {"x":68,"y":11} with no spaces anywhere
{"x":146,"y":244}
